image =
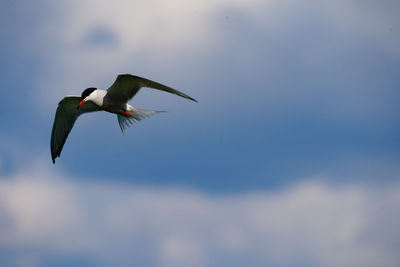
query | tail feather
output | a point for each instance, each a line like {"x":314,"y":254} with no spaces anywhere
{"x":137,"y":115}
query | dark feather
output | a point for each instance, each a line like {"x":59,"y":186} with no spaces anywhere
{"x":126,"y":86}
{"x":66,"y":115}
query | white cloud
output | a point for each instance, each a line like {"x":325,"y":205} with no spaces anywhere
{"x":191,"y":46}
{"x":311,"y":224}
{"x":151,"y":33}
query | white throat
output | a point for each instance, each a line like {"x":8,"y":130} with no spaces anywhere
{"x":97,"y":97}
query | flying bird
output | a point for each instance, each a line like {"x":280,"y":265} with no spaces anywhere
{"x":114,"y":100}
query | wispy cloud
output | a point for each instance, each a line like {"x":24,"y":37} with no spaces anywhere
{"x":309,"y":85}
{"x":319,"y":58}
{"x":47,"y":217}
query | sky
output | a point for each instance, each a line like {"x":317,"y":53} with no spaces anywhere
{"x":290,"y":157}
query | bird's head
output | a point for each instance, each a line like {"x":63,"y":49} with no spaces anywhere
{"x":87,"y":95}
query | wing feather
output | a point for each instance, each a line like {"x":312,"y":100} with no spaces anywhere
{"x":126,"y":86}
{"x":66,"y":115}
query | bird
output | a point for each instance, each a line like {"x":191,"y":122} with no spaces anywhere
{"x":113,"y":100}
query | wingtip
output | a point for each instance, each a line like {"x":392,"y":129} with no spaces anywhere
{"x":53,"y":157}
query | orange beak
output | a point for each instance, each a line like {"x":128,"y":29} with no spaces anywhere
{"x":81,"y":103}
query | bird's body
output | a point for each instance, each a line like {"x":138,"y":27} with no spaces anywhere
{"x":103,"y":101}
{"x":114,"y":100}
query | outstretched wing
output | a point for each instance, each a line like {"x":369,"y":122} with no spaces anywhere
{"x":66,"y":115}
{"x":126,"y":86}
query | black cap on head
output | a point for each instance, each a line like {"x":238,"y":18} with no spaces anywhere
{"x":87,"y":92}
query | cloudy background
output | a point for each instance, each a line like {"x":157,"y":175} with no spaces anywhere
{"x":290,"y":157}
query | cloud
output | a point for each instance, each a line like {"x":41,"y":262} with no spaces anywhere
{"x":323,"y":59}
{"x":100,"y":36}
{"x":48,"y":217}
{"x":149,"y":34}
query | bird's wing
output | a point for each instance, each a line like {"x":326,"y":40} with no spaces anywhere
{"x":66,"y":115}
{"x":126,"y":86}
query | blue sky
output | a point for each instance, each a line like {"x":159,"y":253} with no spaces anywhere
{"x":296,"y":129}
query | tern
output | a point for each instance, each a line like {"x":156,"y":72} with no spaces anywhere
{"x":114,"y":100}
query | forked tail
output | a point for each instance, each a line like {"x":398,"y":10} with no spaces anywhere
{"x":137,"y":115}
